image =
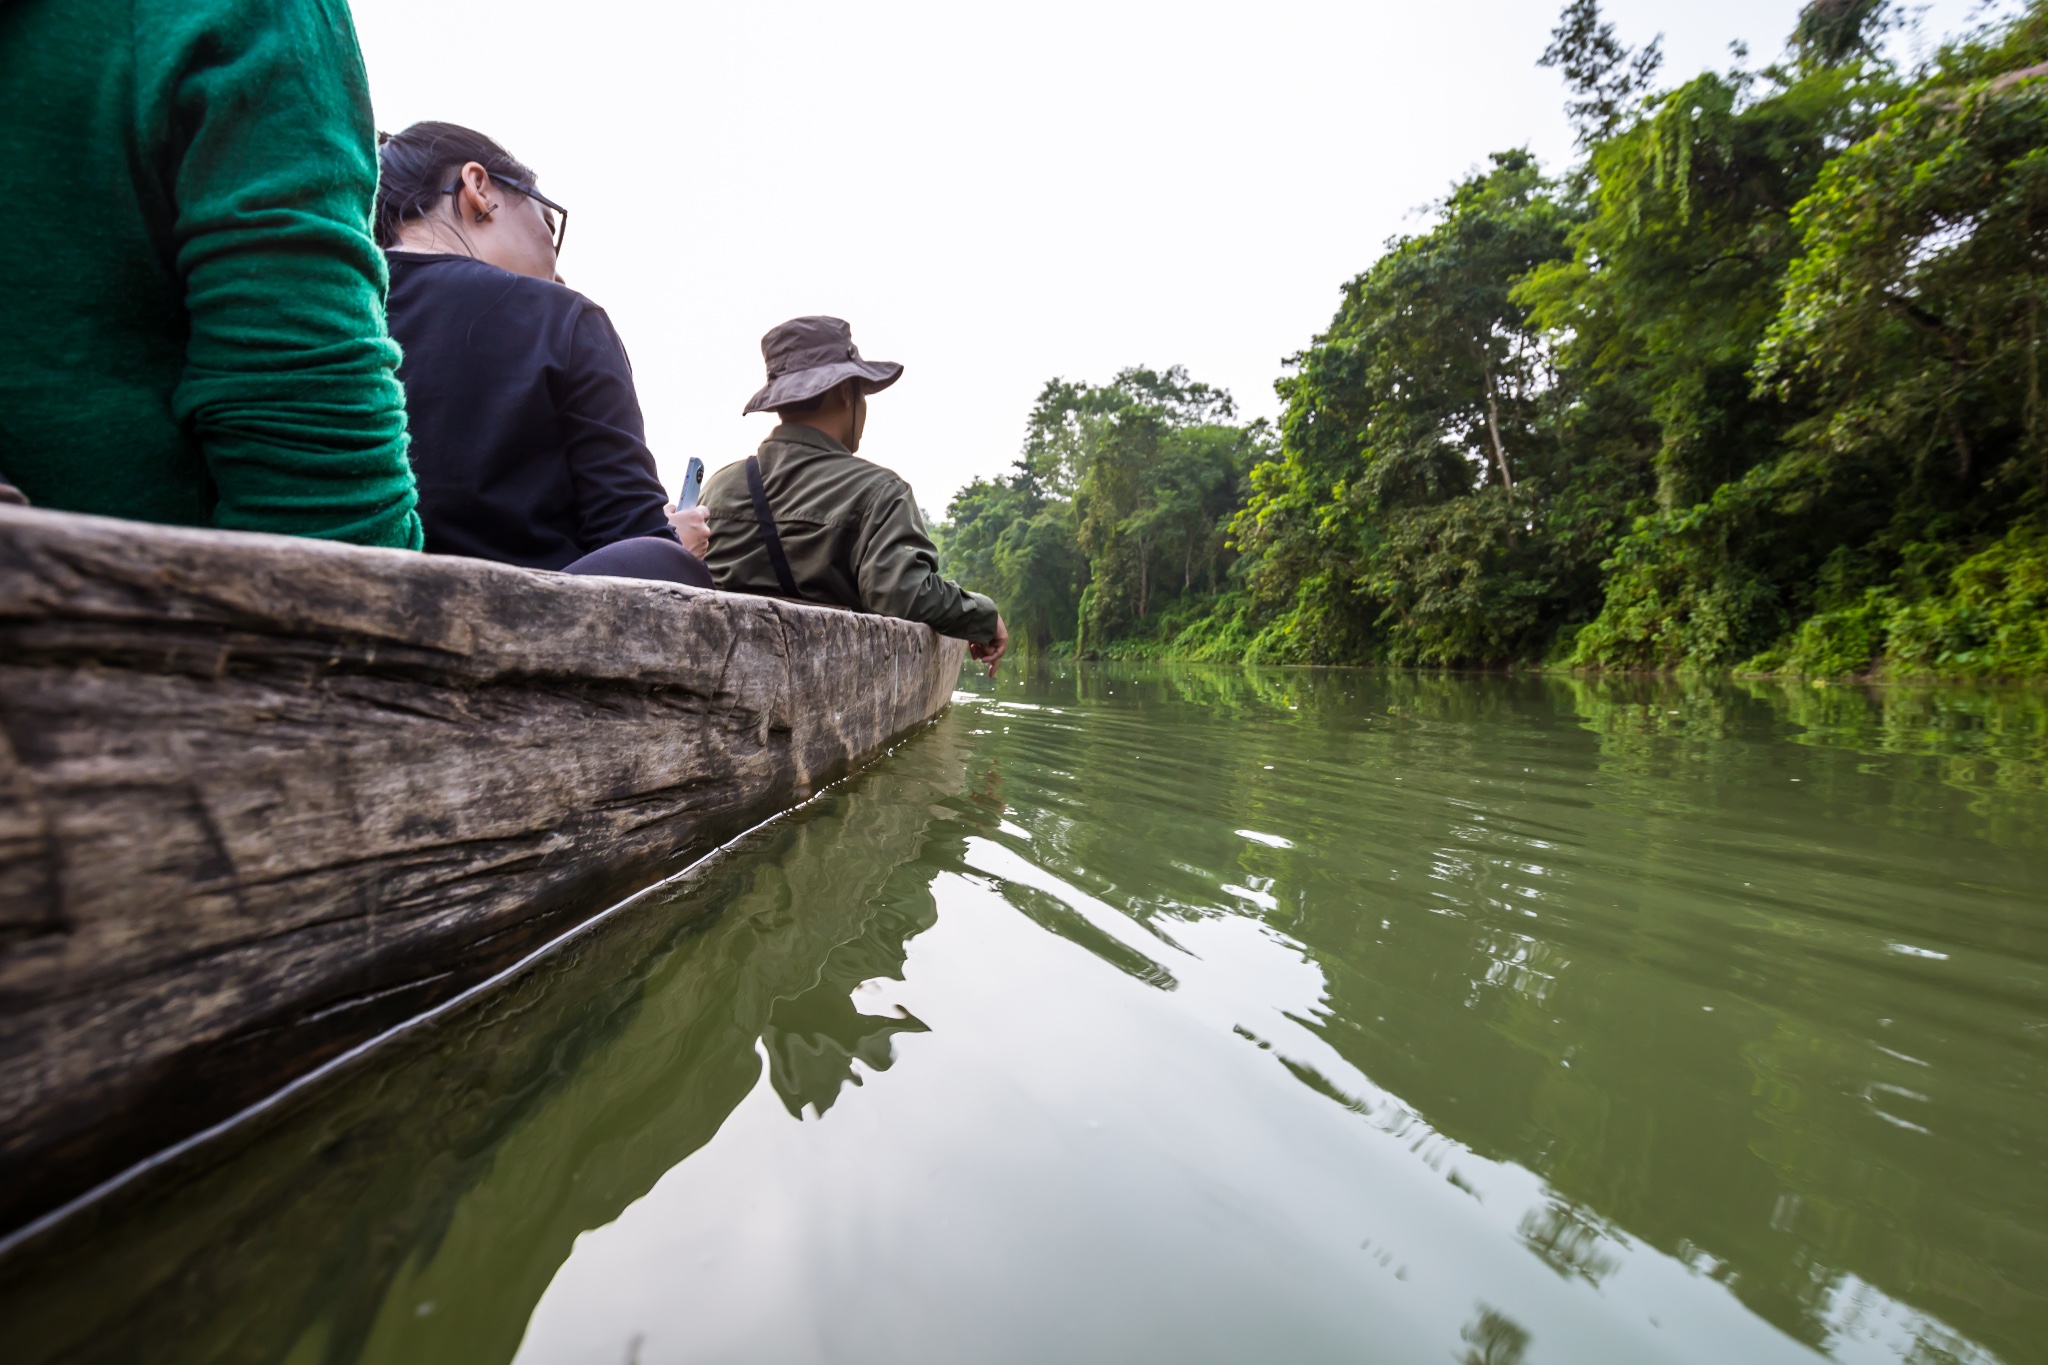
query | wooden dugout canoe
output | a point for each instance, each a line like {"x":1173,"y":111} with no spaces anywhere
{"x":262,"y":798}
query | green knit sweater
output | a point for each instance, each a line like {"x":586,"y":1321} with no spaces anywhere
{"x":192,"y":327}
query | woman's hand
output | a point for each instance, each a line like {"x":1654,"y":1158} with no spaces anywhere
{"x":693,"y":528}
{"x":992,"y":652}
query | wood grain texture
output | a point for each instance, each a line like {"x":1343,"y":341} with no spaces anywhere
{"x":262,"y":797}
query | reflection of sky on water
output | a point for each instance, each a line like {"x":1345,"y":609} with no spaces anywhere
{"x":1091,"y":1160}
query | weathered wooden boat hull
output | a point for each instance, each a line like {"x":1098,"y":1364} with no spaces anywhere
{"x":261,"y":798}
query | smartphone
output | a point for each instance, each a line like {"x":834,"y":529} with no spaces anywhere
{"x":693,"y":484}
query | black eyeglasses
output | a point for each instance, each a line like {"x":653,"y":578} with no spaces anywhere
{"x":553,"y":214}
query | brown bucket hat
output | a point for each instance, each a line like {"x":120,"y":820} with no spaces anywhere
{"x":807,"y":356}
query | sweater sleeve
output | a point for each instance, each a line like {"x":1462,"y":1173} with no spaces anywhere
{"x":898,"y":573}
{"x":618,"y":493}
{"x":268,"y":153}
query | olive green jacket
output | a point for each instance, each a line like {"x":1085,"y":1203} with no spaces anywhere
{"x":851,"y":530}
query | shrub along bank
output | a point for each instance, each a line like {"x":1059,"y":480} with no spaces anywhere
{"x":1753,"y":384}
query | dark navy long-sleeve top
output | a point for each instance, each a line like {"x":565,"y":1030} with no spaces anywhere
{"x":527,"y":439}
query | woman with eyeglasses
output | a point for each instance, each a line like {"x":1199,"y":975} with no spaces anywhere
{"x":527,"y":439}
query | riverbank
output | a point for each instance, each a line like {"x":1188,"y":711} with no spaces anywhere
{"x":1986,"y":668}
{"x":1751,"y":385}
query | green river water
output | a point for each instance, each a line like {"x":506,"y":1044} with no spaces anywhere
{"x":1133,"y":1015}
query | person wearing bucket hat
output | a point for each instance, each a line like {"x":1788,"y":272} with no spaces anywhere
{"x":808,"y":356}
{"x":806,"y":518}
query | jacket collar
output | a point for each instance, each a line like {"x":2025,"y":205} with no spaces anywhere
{"x":796,"y":433}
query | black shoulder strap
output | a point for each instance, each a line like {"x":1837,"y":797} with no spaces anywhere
{"x":768,"y":532}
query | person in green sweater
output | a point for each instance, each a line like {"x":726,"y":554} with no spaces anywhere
{"x":194,"y":329}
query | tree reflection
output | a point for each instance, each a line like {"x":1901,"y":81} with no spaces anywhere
{"x":1665,"y":942}
{"x":1570,"y":1241}
{"x":1493,"y":1338}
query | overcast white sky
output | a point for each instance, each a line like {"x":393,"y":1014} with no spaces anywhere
{"x":992,"y":194}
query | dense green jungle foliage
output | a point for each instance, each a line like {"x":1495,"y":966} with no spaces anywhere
{"x":1754,"y":384}
{"x":1113,"y":531}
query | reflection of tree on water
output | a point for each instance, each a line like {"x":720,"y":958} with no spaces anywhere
{"x":1570,"y":1241}
{"x":1493,"y":1338}
{"x":1050,"y":913}
{"x":1978,"y":739}
{"x":1529,"y":896}
{"x":417,"y":1208}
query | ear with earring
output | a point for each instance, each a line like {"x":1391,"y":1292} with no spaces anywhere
{"x":483,"y":215}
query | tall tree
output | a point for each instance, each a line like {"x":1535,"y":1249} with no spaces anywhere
{"x":1831,"y":32}
{"x":1412,"y":515}
{"x":1118,"y":505}
{"x":1161,"y":468}
{"x":1606,"y":77}
{"x":1895,"y":260}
